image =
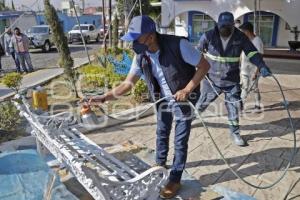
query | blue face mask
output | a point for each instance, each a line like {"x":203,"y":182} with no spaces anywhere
{"x":139,"y":48}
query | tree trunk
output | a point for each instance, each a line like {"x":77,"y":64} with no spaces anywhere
{"x":104,"y":32}
{"x":110,"y":24}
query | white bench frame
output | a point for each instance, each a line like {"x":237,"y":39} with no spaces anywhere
{"x":101,"y":174}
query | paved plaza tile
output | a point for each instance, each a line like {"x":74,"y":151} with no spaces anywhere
{"x":268,"y":135}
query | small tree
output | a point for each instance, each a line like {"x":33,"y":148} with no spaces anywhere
{"x":124,"y":8}
{"x":115,"y":31}
{"x":13,"y":5}
{"x":13,"y":81}
{"x":3,"y":6}
{"x":61,"y":42}
{"x":126,"y":11}
{"x":9,"y":117}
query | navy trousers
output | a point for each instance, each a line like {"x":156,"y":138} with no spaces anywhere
{"x":166,"y":113}
{"x":232,"y":93}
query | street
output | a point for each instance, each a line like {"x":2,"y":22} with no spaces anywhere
{"x":41,"y":60}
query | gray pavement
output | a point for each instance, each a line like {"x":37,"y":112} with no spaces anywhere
{"x":261,"y":163}
{"x":41,"y":60}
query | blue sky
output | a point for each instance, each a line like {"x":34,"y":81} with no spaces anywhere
{"x":34,"y":6}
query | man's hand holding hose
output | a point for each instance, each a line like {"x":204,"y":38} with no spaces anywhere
{"x":97,"y":99}
{"x":202,"y":69}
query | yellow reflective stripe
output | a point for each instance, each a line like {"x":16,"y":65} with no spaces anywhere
{"x":222,"y":59}
{"x":251,"y":54}
{"x":233,"y":122}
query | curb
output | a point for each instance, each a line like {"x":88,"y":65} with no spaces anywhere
{"x":11,"y":94}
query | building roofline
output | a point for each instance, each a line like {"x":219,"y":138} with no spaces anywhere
{"x":15,"y":14}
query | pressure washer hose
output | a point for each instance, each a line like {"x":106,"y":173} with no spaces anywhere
{"x":216,"y":146}
{"x":165,"y":98}
{"x":233,"y":102}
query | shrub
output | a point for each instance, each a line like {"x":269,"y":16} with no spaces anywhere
{"x":93,"y":75}
{"x":98,"y":76}
{"x":116,"y":52}
{"x":9,"y":118}
{"x":140,"y":91}
{"x":13,"y":81}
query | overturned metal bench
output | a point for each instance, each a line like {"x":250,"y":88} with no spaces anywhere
{"x":101,"y":174}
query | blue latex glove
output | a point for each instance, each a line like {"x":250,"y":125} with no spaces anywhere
{"x":265,"y":71}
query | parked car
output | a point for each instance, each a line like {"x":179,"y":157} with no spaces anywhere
{"x":40,"y":37}
{"x":89,"y":32}
{"x":103,"y":34}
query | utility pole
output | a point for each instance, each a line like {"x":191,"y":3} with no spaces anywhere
{"x":110,"y":24}
{"x":259,"y":17}
{"x":141,"y":10}
{"x":38,"y":4}
{"x":254,"y":17}
{"x":83,"y":39}
{"x":104,"y":22}
{"x":83,"y":5}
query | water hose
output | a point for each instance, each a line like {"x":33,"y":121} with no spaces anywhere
{"x":165,"y":98}
{"x":232,"y":170}
{"x":198,"y":115}
{"x":233,"y":102}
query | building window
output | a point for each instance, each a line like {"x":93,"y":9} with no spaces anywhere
{"x":199,"y":23}
{"x":269,"y":23}
{"x":266,"y":28}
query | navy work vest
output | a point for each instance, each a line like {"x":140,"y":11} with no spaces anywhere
{"x":177,"y":72}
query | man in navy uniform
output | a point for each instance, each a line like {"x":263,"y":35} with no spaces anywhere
{"x":223,"y":46}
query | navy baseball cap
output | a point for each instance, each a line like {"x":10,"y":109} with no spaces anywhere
{"x":138,"y":26}
{"x":225,"y":18}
